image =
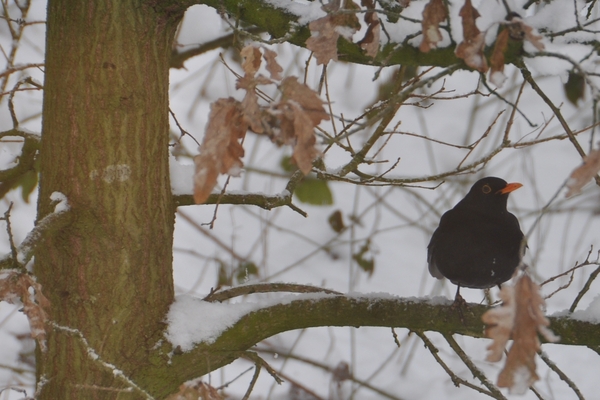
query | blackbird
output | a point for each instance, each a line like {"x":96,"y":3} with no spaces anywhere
{"x":478,"y":243}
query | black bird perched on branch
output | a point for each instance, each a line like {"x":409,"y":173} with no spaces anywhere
{"x":478,"y":243}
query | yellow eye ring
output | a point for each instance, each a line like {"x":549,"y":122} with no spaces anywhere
{"x":486,"y":189}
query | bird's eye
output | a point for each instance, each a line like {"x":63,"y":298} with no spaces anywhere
{"x":486,"y":189}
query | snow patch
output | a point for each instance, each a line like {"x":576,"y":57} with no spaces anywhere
{"x":591,"y":313}
{"x":521,"y":380}
{"x":192,"y":320}
{"x":63,"y":203}
{"x":306,"y":11}
{"x":182,"y":177}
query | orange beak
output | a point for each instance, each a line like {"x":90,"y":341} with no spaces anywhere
{"x":510,"y":187}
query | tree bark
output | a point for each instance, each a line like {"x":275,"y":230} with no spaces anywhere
{"x":108,"y":274}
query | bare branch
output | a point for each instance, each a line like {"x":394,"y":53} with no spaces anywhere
{"x":244,"y":290}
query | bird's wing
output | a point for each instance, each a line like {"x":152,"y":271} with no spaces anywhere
{"x":433,"y":269}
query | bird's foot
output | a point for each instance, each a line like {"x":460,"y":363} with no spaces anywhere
{"x":459,"y":305}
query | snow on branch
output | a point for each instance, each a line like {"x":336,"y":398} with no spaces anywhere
{"x":94,"y":356}
{"x":49,"y":223}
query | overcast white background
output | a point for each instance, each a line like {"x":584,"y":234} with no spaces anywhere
{"x":398,"y":221}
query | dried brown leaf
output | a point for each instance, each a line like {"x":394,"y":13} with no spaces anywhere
{"x":346,"y":23}
{"x":323,"y":40}
{"x":272,"y":65}
{"x":471,"y":48}
{"x":341,"y":372}
{"x":15,"y":286}
{"x":251,"y":63}
{"x":531,"y":37}
{"x":307,"y":98}
{"x":370,"y":43}
{"x":434,"y":13}
{"x":471,"y":52}
{"x":252,"y":112}
{"x":519,"y":371}
{"x":304,"y":149}
{"x":499,"y":323}
{"x":326,"y":31}
{"x":221,"y":151}
{"x":297,"y":114}
{"x":584,"y":173}
{"x":497,"y":59}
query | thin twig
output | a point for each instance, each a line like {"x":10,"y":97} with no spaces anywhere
{"x":472,"y":367}
{"x":327,"y":368}
{"x":396,"y":340}
{"x":183,"y":131}
{"x":386,"y":117}
{"x":253,"y":356}
{"x":529,"y":78}
{"x":456,"y":380}
{"x":257,"y":369}
{"x":585,"y":289}
{"x":578,"y":265}
{"x":211,"y":224}
{"x":485,"y":134}
{"x":226,"y":384}
{"x":514,"y":106}
{"x":561,"y":374}
{"x":11,"y":241}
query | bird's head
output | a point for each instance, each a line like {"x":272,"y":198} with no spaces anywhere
{"x":489,"y":194}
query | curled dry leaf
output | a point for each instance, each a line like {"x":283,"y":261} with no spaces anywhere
{"x":326,"y":31}
{"x":497,"y":59}
{"x":471,"y":48}
{"x":14,"y":286}
{"x":341,"y":372}
{"x":584,"y":173}
{"x":303,"y":130}
{"x":524,"y":317}
{"x":299,"y":112}
{"x":499,"y":323}
{"x":252,"y":111}
{"x":370,"y":43}
{"x":323,"y":40}
{"x":272,"y":65}
{"x":249,"y":106}
{"x":308,"y":99}
{"x":434,"y":13}
{"x":251,"y":62}
{"x":221,"y":151}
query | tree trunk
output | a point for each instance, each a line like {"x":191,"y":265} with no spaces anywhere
{"x":108,"y":275}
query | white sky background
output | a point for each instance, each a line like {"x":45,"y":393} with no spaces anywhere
{"x":398,"y":221}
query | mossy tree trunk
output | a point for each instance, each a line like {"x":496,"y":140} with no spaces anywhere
{"x":105,"y":146}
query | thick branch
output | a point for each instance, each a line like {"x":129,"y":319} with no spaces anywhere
{"x":413,"y":314}
{"x":255,"y":199}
